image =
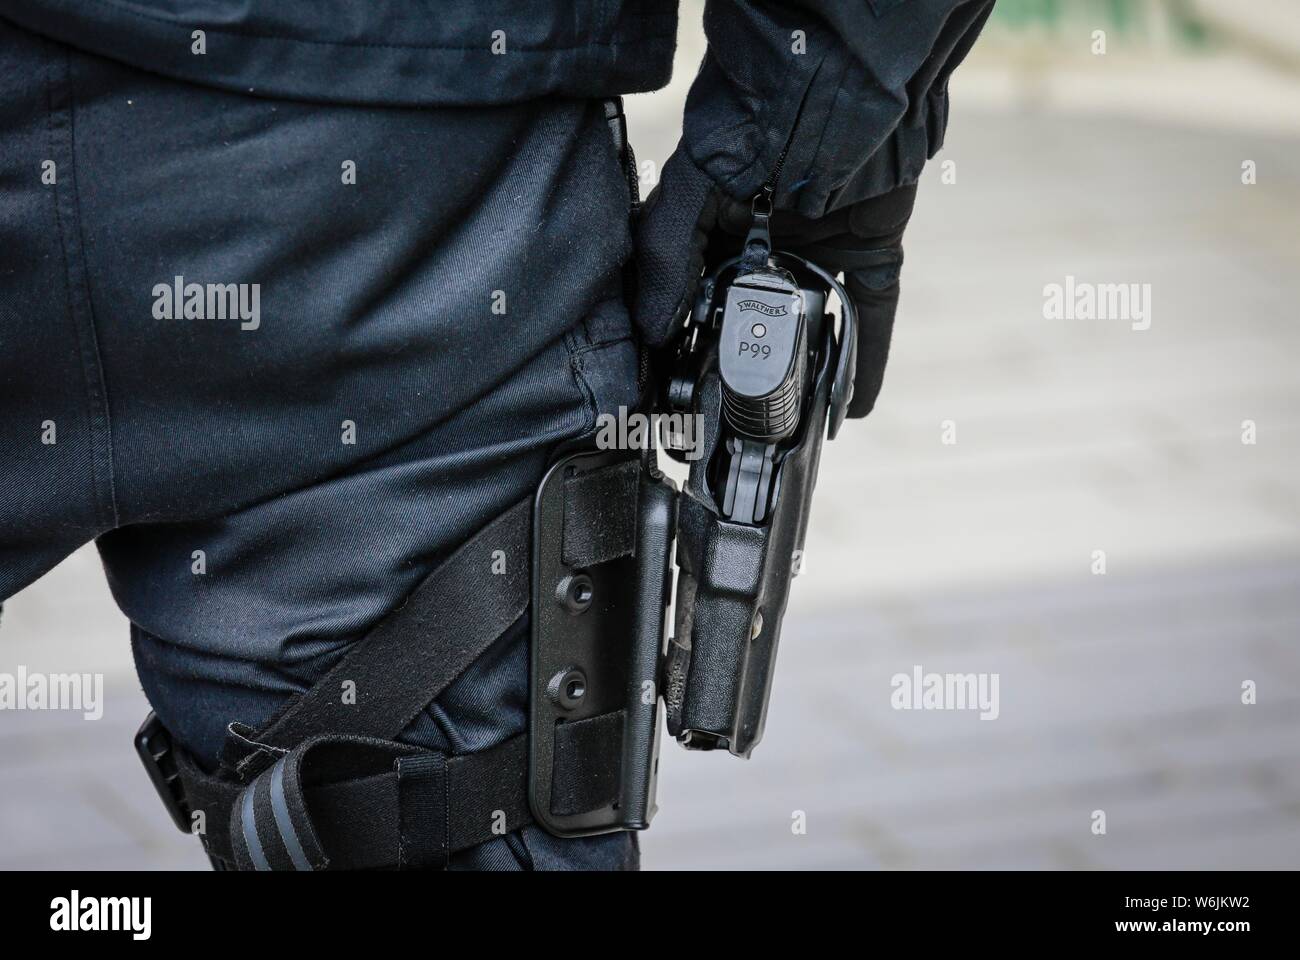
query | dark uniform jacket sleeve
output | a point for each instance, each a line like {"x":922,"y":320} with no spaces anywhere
{"x":855,"y":92}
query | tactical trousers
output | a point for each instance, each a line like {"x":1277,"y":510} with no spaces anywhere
{"x":278,"y":359}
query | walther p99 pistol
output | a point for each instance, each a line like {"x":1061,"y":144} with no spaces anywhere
{"x":762,"y":368}
{"x":761,"y":362}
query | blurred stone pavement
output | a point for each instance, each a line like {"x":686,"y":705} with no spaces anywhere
{"x":1119,"y":692}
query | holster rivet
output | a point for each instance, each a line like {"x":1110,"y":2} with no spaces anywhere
{"x":567,"y":688}
{"x":575,"y":592}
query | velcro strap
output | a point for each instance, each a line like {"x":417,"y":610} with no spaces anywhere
{"x":412,"y":655}
{"x":600,"y":514}
{"x":269,"y":823}
{"x":588,"y":764}
{"x":356,"y":803}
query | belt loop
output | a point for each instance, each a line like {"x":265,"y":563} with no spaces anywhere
{"x":423,"y":810}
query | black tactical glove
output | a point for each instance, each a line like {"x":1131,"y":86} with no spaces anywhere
{"x":688,"y":223}
{"x":672,"y":237}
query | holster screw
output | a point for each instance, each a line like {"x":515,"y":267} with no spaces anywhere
{"x":575,"y":592}
{"x":567,"y":688}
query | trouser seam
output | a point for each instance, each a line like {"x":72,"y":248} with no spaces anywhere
{"x":61,"y":139}
{"x":577,"y":356}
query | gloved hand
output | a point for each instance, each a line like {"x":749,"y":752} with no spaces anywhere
{"x":688,"y":223}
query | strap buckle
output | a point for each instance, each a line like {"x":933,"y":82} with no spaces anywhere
{"x":154,"y":745}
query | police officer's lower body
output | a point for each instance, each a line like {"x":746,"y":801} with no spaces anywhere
{"x":264,"y":488}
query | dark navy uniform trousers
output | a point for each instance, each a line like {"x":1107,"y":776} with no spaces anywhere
{"x":431,"y":304}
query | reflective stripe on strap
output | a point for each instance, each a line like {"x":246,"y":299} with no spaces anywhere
{"x":398,"y":807}
{"x":248,"y":833}
{"x":283,"y":822}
